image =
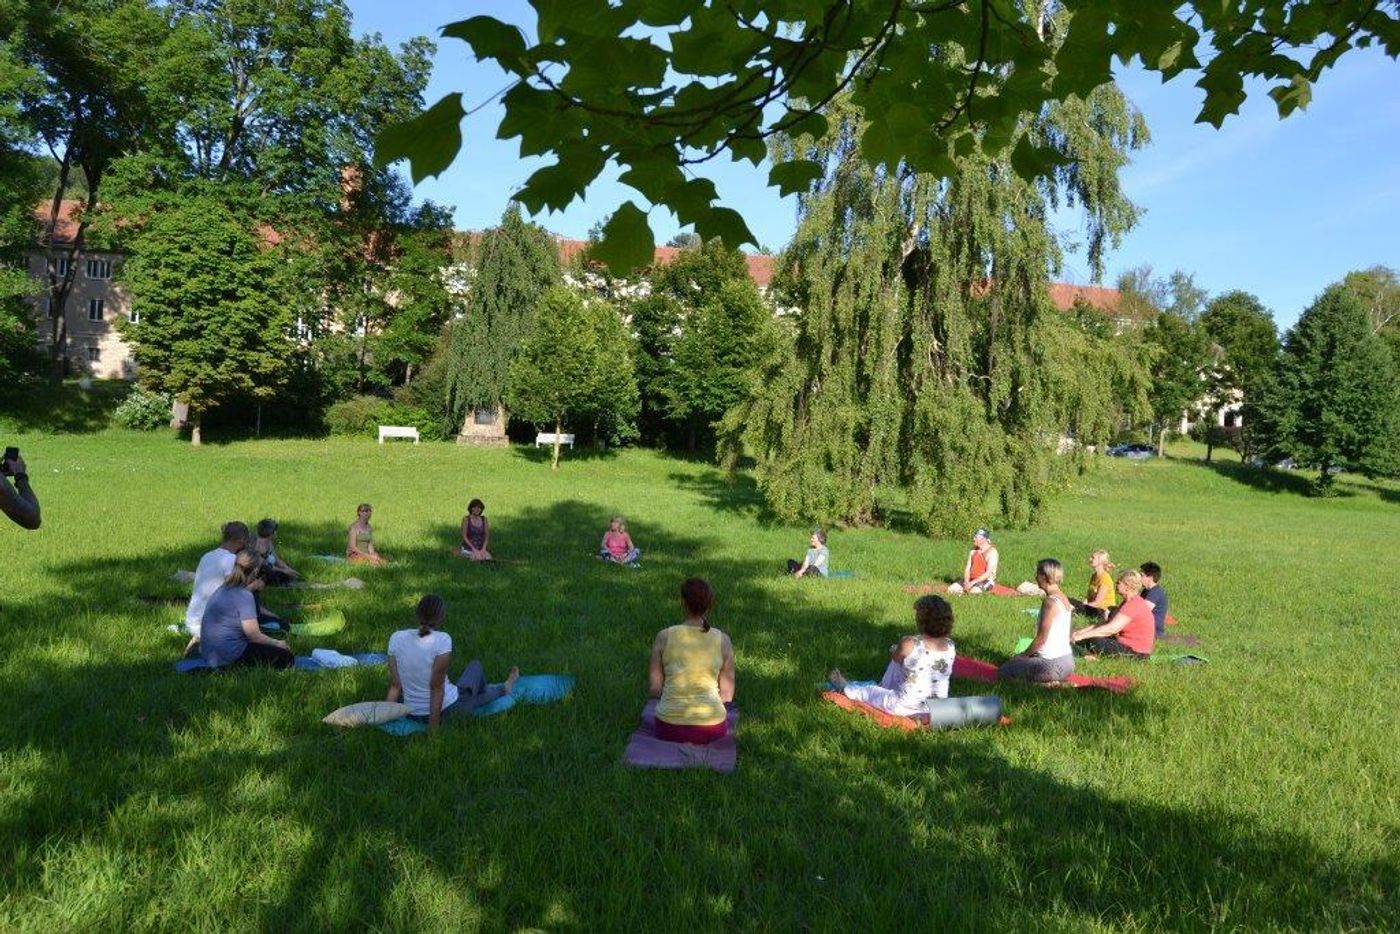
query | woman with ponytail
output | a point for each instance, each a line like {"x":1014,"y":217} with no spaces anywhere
{"x":692,"y":672}
{"x":418,"y":663}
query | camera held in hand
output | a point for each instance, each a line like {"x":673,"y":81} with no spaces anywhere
{"x":11,"y":454}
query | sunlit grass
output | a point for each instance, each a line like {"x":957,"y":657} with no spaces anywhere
{"x":1256,"y":791}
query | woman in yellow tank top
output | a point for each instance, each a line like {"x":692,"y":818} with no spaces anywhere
{"x":1102,"y":596}
{"x":692,"y":672}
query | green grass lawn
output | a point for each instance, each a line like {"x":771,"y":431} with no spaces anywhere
{"x":1258,"y":791}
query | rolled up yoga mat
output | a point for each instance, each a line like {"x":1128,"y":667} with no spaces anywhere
{"x":951,"y":712}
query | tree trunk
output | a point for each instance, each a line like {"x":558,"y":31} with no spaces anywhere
{"x":1162,"y":441}
{"x":195,"y":438}
{"x":558,"y":427}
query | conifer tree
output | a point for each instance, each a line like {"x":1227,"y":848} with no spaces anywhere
{"x":516,"y":263}
{"x":1332,"y":402}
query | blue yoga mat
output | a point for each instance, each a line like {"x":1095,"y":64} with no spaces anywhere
{"x":303,"y":662}
{"x":529,"y":689}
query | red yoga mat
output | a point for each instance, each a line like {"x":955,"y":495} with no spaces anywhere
{"x":976,"y":670}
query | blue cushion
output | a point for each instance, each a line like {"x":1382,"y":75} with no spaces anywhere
{"x":542,"y":689}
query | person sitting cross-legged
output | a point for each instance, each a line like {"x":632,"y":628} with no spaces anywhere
{"x":229,"y":635}
{"x":692,"y":672}
{"x":1128,"y":631}
{"x":1049,"y":658}
{"x":817,"y":561}
{"x":980,"y":571}
{"x":617,"y":545}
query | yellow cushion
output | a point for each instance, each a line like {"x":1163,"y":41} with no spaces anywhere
{"x":366,"y":713}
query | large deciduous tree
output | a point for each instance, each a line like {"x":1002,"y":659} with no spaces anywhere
{"x":97,"y":82}
{"x":662,"y":86}
{"x":1332,"y":401}
{"x":515,"y":264}
{"x":718,"y":357}
{"x":576,"y":365}
{"x":211,"y":305}
{"x":927,"y":354}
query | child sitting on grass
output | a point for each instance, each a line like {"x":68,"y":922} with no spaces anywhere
{"x":920,"y":665}
{"x":617,"y":545}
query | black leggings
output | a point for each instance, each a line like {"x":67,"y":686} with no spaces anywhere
{"x":260,"y":653}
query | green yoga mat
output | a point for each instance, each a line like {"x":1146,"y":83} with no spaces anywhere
{"x":325,"y":625}
{"x":1022,"y":644}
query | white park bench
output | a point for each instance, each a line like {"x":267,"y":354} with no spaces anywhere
{"x":549,"y":437}
{"x":398,"y":431}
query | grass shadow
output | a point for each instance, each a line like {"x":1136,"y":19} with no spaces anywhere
{"x":544,"y":454}
{"x":1267,"y":479}
{"x":136,"y":794}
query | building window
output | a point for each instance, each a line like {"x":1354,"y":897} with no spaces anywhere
{"x":94,"y":309}
{"x":93,"y":355}
{"x":62,"y":266}
{"x":133,"y":315}
{"x":99,"y":269}
{"x":47,"y":302}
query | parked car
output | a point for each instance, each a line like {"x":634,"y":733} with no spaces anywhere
{"x":1136,"y":451}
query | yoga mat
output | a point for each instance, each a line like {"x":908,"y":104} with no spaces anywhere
{"x":645,"y":751}
{"x":302,"y":663}
{"x":529,"y":689}
{"x":976,"y":670}
{"x":1183,"y":658}
{"x":1022,"y":644}
{"x":998,"y":590}
{"x":330,"y":559}
{"x":877,"y":716}
{"x":1180,"y":638}
{"x":327,"y":625}
{"x":841,"y":575}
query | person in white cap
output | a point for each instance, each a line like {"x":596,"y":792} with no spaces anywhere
{"x":980,"y":572}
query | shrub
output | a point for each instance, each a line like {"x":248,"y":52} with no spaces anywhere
{"x":143,"y":410}
{"x":361,"y":417}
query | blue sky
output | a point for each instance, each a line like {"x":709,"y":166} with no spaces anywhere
{"x":1280,"y":208}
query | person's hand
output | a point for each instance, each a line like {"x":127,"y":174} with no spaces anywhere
{"x":256,"y":584}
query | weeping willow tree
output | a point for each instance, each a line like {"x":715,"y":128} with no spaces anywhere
{"x":928,"y":357}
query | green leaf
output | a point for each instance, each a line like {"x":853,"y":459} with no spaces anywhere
{"x":727,"y":224}
{"x":795,"y":176}
{"x":429,"y":141}
{"x":493,"y":39}
{"x":1224,"y":92}
{"x":627,"y":242}
{"x":543,"y":120}
{"x":556,"y":186}
{"x":655,"y":177}
{"x":1031,"y":161}
{"x":1295,"y":95}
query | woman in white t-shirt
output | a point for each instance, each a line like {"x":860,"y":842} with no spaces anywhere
{"x":920,"y":665}
{"x":1048,"y":659}
{"x":418,"y":663}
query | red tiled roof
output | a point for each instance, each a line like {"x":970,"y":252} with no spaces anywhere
{"x":68,"y":211}
{"x":1065,"y":296}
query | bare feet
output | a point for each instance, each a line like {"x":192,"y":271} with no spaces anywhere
{"x":511,"y":678}
{"x":837,"y":679}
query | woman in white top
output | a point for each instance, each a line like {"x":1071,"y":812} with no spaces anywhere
{"x":418,"y":662}
{"x":920,"y":665}
{"x":1048,"y":659}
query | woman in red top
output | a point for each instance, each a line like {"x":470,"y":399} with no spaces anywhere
{"x":980,"y":572}
{"x":1130,"y":630}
